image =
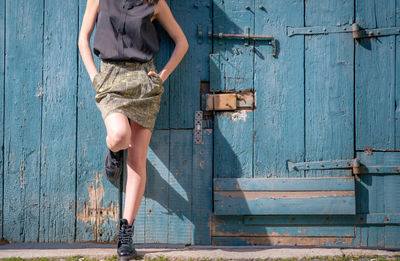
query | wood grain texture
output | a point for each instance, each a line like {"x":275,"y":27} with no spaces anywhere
{"x":279,"y":85}
{"x":202,"y":190}
{"x":397,"y":89}
{"x":22,"y":110}
{"x":329,"y":95}
{"x":2,"y":60}
{"x":180,"y":181}
{"x":184,"y":83}
{"x":57,"y":181}
{"x":375,"y":78}
{"x":157,"y":188}
{"x":98,"y":201}
{"x":160,"y":60}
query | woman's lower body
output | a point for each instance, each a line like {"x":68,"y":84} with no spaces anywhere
{"x":129,"y":102}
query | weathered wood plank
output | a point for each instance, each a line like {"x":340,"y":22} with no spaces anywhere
{"x":236,"y":58}
{"x":283,"y":241}
{"x":202,"y":190}
{"x":284,"y":184}
{"x":233,"y":144}
{"x":329,"y":83}
{"x":180,"y":182}
{"x":233,"y":131}
{"x":184,"y":83}
{"x":2,"y":60}
{"x":157,"y":187}
{"x":286,"y":203}
{"x":397,"y":88}
{"x":376,"y":218}
{"x":160,"y":60}
{"x":22,"y":110}
{"x":279,"y":84}
{"x":392,"y":238}
{"x":375,"y":78}
{"x":237,"y":226}
{"x":58,"y":146}
{"x":98,"y":201}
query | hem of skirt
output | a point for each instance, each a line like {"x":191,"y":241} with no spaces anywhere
{"x":131,"y":117}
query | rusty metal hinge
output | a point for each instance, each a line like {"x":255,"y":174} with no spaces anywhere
{"x":355,"y":164}
{"x":354,"y":28}
{"x":197,"y":131}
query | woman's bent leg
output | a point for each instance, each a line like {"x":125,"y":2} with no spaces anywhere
{"x":136,"y":170}
{"x":118,"y":131}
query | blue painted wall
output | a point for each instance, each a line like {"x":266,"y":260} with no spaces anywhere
{"x":322,"y":97}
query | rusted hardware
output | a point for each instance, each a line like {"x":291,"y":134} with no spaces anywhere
{"x":229,"y":101}
{"x":355,"y":164}
{"x":247,"y":36}
{"x":355,"y":29}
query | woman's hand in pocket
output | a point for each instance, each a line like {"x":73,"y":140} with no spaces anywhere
{"x":157,"y":75}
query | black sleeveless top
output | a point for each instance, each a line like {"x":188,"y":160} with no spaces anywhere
{"x":124,"y":31}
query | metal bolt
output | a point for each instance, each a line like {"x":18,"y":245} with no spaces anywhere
{"x":344,"y":28}
{"x":309,"y":30}
{"x":247,"y":6}
{"x":260,"y":6}
{"x":196,"y":5}
{"x":370,"y":33}
{"x":378,"y":32}
{"x":324,"y":29}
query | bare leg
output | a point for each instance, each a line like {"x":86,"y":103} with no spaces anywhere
{"x":136,"y":170}
{"x":118,"y":131}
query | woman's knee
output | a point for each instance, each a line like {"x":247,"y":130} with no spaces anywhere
{"x":119,"y":137}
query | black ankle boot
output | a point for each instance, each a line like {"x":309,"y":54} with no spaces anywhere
{"x":113,"y":166}
{"x":125,"y":249}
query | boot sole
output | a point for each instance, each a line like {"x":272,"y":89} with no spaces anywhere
{"x":126,"y":258}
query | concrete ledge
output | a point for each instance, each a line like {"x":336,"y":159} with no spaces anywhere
{"x":179,"y":252}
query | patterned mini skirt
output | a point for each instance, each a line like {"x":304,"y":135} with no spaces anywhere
{"x":125,"y":87}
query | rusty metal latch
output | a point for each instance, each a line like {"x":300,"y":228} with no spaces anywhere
{"x":230,"y":101}
{"x":354,"y":28}
{"x":247,"y":36}
{"x":355,"y":164}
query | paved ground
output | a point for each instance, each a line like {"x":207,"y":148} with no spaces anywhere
{"x":100,"y":251}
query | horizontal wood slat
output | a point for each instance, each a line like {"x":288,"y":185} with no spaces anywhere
{"x":274,"y":196}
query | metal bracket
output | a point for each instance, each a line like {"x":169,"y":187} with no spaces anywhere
{"x":197,"y":131}
{"x":355,"y":164}
{"x":354,"y":28}
{"x":247,"y":36}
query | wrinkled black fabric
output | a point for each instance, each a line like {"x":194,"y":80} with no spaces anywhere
{"x":124,"y":31}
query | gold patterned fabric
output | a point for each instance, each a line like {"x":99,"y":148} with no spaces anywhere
{"x":125,"y":87}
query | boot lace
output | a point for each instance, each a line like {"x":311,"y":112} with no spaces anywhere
{"x":125,"y":235}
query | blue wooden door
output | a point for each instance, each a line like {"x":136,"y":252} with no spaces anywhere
{"x":326,"y":103}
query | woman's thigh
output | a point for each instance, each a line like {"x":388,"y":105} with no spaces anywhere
{"x":140,"y":139}
{"x":117,"y":124}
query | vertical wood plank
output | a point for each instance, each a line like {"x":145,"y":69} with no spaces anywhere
{"x":397,"y":89}
{"x":233,"y":131}
{"x":2,"y":60}
{"x":279,"y":84}
{"x":184,"y":83}
{"x":98,"y":201}
{"x":392,"y":239}
{"x":58,"y":147}
{"x":157,"y":187}
{"x":160,"y":61}
{"x":23,"y":86}
{"x":329,"y":124}
{"x":180,"y":181}
{"x":375,"y":78}
{"x":202,"y":190}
